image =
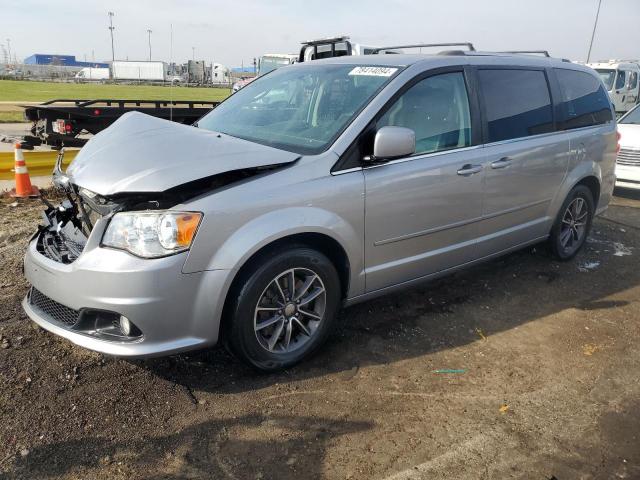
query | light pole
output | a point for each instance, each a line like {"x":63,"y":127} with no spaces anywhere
{"x":111,"y":28}
{"x":149,"y":32}
{"x":593,"y":33}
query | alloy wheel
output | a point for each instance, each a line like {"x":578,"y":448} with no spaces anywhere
{"x":574,"y":225}
{"x":290,"y":310}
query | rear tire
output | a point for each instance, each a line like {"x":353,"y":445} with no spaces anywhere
{"x":283,"y":308}
{"x":573,"y":224}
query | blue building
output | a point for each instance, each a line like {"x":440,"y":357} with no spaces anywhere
{"x":60,"y":60}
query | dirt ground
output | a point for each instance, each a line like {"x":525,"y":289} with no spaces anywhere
{"x":519,"y":368}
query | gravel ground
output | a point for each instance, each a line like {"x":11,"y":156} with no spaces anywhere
{"x":519,"y":368}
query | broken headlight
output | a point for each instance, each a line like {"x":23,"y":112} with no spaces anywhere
{"x":152,"y":234}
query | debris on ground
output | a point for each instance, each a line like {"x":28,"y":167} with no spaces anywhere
{"x":587,"y":266}
{"x":620,"y":250}
{"x":589,"y":349}
{"x":481,"y":334}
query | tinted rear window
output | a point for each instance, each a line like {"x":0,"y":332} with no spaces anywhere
{"x":517,"y":103}
{"x":584,"y":100}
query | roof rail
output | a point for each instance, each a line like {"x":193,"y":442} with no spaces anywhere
{"x":528,"y":52}
{"x":322,"y":41}
{"x":469,"y":45}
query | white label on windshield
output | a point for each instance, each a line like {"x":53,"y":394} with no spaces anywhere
{"x":374,"y":71}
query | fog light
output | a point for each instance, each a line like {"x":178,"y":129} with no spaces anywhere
{"x":125,"y":325}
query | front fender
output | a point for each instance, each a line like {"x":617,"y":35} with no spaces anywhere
{"x":275,"y":225}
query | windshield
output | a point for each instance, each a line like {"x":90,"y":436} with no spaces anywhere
{"x":632,"y":117}
{"x":607,"y":76}
{"x":268,"y":64}
{"x":299,"y":109}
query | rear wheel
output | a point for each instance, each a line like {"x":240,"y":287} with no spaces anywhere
{"x":573,"y":223}
{"x":283,"y":309}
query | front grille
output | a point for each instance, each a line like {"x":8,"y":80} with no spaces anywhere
{"x":55,"y":246}
{"x":53,"y":309}
{"x":626,"y":156}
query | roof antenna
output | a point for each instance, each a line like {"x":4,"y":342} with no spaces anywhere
{"x":171,"y":79}
{"x":593,"y":34}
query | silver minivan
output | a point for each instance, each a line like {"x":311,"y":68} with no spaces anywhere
{"x":318,"y":185}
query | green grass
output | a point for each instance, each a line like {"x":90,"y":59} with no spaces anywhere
{"x":12,"y":117}
{"x":25,"y":91}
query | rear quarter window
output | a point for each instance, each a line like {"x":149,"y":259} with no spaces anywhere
{"x":584,"y":100}
{"x":517,"y":103}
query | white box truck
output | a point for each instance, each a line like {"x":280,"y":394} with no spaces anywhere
{"x":144,"y":71}
{"x":92,"y":74}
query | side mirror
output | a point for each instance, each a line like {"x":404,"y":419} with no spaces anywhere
{"x":393,"y":142}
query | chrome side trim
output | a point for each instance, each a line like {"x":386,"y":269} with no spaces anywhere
{"x":473,"y":147}
{"x":548,"y":134}
{"x":459,"y":224}
{"x":419,"y":156}
{"x":515,"y":209}
{"x":426,"y":232}
{"x":422,"y":156}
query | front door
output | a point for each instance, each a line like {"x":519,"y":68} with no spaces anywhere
{"x":422,"y":212}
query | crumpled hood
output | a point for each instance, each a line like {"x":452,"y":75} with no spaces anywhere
{"x":141,"y":153}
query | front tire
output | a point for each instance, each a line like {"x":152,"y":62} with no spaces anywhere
{"x":573,"y":223}
{"x":283,"y":308}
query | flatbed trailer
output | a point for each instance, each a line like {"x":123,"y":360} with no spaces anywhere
{"x":63,"y":122}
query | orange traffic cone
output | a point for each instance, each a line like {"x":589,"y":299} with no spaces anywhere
{"x":23,"y":182}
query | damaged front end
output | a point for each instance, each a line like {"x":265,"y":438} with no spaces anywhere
{"x":66,"y":228}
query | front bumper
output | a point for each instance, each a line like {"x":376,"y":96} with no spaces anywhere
{"x":173,"y":310}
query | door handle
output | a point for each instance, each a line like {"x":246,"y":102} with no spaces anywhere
{"x":502,"y":163}
{"x":469,"y":169}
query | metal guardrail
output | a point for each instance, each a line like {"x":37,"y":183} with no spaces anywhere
{"x":38,"y":163}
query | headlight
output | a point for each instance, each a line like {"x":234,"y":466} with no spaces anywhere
{"x":152,"y":234}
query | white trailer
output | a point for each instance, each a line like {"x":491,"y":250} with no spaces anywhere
{"x":92,"y":74}
{"x":144,"y":71}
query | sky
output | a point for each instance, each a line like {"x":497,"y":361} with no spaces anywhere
{"x":234,"y":32}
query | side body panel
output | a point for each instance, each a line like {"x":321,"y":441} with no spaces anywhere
{"x":517,"y":197}
{"x":421,"y":216}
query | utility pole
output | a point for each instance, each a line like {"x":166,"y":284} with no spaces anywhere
{"x":593,"y":33}
{"x":111,"y":28}
{"x":149,"y":32}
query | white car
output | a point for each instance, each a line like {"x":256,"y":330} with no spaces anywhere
{"x":628,"y":161}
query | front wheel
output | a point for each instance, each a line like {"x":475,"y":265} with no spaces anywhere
{"x":573,"y":223}
{"x":283,"y":309}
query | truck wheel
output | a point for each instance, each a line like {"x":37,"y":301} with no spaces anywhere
{"x":573,"y":223}
{"x":284,"y":308}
